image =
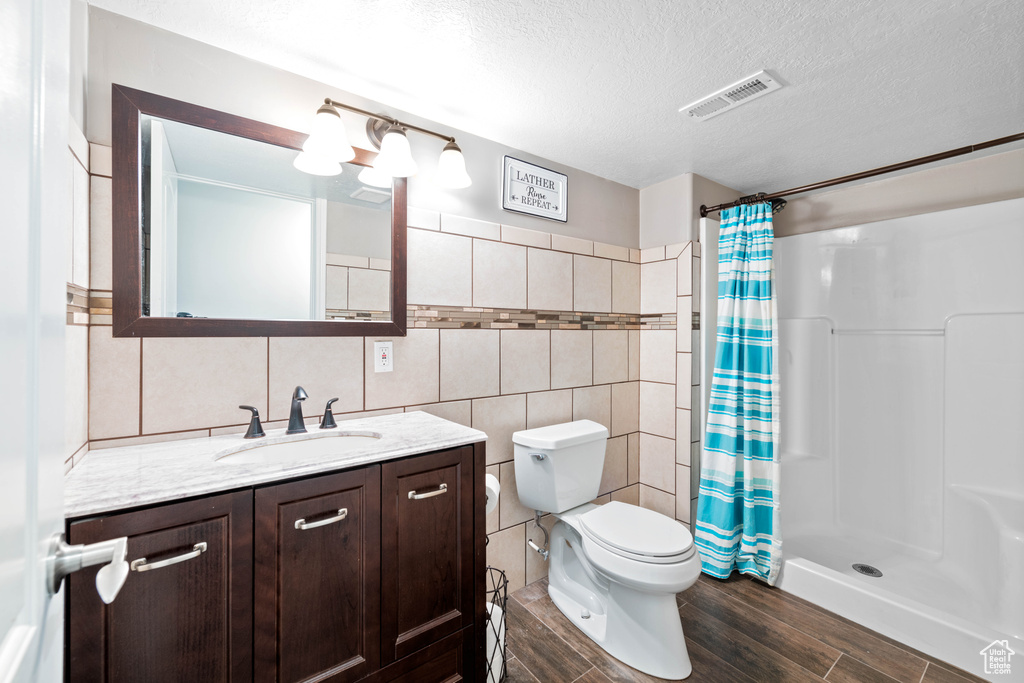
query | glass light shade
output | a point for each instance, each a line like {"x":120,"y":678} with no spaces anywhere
{"x":451,"y":168}
{"x":395,"y":157}
{"x":327,"y":138}
{"x":375,"y":177}
{"x":316,"y":164}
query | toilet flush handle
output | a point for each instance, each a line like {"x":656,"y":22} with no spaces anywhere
{"x":539,"y":456}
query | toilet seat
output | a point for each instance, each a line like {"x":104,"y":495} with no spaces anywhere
{"x":636,"y":533}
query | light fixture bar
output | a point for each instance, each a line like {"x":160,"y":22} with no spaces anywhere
{"x":388,"y":119}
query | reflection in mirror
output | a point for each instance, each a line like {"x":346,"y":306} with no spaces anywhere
{"x":230,"y":229}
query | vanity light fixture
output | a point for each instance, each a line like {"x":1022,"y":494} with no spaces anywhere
{"x":328,"y":146}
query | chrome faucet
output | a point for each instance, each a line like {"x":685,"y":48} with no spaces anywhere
{"x":295,"y":422}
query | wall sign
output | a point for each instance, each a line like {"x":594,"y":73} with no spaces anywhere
{"x":530,"y":189}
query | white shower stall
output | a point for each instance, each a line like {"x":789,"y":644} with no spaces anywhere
{"x":901,"y":351}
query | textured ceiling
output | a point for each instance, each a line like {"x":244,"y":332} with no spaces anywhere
{"x":596,"y":84}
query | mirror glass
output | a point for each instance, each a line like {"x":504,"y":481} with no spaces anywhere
{"x":231,"y":230}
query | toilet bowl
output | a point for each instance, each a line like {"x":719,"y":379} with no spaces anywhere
{"x":614,"y":569}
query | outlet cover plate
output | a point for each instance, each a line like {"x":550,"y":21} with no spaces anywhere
{"x":383,"y":356}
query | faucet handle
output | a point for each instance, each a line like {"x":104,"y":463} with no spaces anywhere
{"x":255,"y":430}
{"x":328,"y":421}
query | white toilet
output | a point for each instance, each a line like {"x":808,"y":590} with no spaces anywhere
{"x":614,"y":569}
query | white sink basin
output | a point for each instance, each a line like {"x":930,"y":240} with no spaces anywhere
{"x":311,"y":447}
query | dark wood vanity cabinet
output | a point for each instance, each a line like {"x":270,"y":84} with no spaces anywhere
{"x":373,"y":574}
{"x":185,"y":613}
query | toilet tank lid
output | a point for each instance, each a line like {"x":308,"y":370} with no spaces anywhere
{"x":561,"y":435}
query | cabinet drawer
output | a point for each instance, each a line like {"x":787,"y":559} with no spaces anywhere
{"x":427,"y":550}
{"x":318,"y":578}
{"x":182,"y":614}
{"x":447,"y":661}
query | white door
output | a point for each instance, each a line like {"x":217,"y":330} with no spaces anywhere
{"x":34,"y":39}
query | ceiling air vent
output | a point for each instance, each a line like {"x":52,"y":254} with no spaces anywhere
{"x":730,"y":97}
{"x":367,"y":194}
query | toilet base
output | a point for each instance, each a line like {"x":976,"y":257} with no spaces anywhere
{"x":642,"y":630}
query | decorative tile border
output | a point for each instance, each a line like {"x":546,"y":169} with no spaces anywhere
{"x":469,"y":318}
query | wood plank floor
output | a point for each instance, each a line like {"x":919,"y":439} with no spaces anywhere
{"x":737,"y":631}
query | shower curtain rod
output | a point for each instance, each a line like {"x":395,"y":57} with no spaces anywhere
{"x":705,"y":210}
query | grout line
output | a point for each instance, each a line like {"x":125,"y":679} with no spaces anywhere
{"x":592,"y":668}
{"x":925,"y":672}
{"x":833,"y":665}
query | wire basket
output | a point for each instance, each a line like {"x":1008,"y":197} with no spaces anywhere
{"x":497,"y":599}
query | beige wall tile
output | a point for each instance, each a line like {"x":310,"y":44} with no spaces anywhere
{"x":601,"y":500}
{"x":614,"y":474}
{"x":369,"y":290}
{"x":469,"y":363}
{"x":571,"y":244}
{"x":415,"y":378}
{"x":499,"y":417}
{"x":423,"y":218}
{"x":684,"y":323}
{"x":499,"y":275}
{"x":572,"y":358}
{"x":694,"y":419}
{"x":593,"y":403}
{"x":355,"y":416}
{"x":683,"y":493}
{"x":683,"y":437}
{"x":634,"y":355}
{"x":658,"y":356}
{"x":592,"y":284}
{"x":625,"y":408}
{"x":694,"y":370}
{"x":657,"y":500}
{"x":696,"y":249}
{"x":658,"y":287}
{"x":550,"y":280}
{"x":657,"y":409}
{"x":76,"y":388}
{"x":100,"y":236}
{"x":506,"y":550}
{"x":326,"y":367}
{"x":684,"y":272}
{"x":611,"y":251}
{"x":694,"y":485}
{"x":100,"y":160}
{"x":625,"y":287}
{"x":440,"y":269}
{"x":683,"y":369}
{"x":191,"y":383}
{"x":113,"y":384}
{"x":695,"y":284}
{"x":674,"y":250}
{"x":149,"y":438}
{"x":611,"y":356}
{"x":336,"y":287}
{"x":79,"y":247}
{"x":460,"y":412}
{"x":527,"y":238}
{"x":634,"y":256}
{"x":652,"y":254}
{"x":525,"y":361}
{"x":511,"y":511}
{"x":348,"y":260}
{"x":548,"y":408}
{"x":536,"y":567}
{"x":493,"y":521}
{"x":470,"y":227}
{"x":629,"y":495}
{"x":633,"y":458}
{"x":658,"y":462}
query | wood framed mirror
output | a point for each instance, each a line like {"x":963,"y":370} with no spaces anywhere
{"x":216,"y":234}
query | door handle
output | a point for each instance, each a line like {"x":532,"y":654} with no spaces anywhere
{"x":143,"y":565}
{"x":63,"y":559}
{"x":302,"y":524}
{"x":415,"y":495}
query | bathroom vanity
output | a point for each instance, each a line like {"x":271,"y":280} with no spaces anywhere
{"x":363,"y":562}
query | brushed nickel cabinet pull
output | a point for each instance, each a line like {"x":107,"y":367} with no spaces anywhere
{"x":443,"y":488}
{"x":302,"y":524}
{"x":140,"y":565}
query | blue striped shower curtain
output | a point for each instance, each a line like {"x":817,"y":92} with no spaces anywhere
{"x":738,"y":507}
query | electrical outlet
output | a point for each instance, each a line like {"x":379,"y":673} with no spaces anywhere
{"x":383,"y":356}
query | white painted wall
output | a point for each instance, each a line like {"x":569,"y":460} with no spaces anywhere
{"x":242,"y":254}
{"x":140,"y":56}
{"x":359,"y":230}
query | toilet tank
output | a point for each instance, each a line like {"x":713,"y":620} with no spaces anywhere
{"x":559,"y":467}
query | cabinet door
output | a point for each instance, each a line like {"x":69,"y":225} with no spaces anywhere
{"x":184,"y":613}
{"x":427,"y":550}
{"x":318,"y":578}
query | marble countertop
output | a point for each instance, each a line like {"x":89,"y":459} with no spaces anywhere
{"x":131,"y":476}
